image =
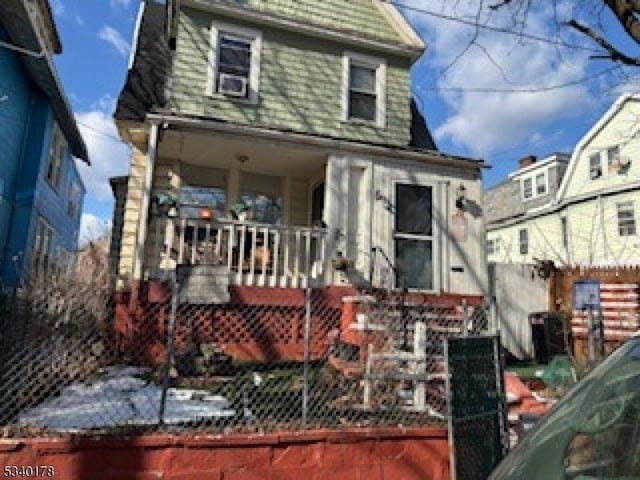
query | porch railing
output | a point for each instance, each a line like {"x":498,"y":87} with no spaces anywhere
{"x":254,"y":253}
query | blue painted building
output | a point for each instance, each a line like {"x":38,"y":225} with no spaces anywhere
{"x":41,"y":192}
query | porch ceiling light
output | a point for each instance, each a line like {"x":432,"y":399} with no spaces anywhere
{"x":242,"y":158}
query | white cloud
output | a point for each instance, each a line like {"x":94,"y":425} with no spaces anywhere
{"x":58,"y":8}
{"x":119,"y":3}
{"x":115,"y":39}
{"x":109,"y":157}
{"x":484,"y":123}
{"x":79,"y":20}
{"x":92,"y":227}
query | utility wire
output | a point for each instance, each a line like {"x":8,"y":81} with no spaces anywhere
{"x":521,"y":90}
{"x":100,"y":132}
{"x":506,"y":31}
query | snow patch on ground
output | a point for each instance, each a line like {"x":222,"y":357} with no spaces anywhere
{"x":118,"y":398}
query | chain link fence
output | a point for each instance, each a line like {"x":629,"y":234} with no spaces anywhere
{"x":184,"y":356}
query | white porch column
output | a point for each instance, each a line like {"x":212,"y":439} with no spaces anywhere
{"x":138,"y":254}
{"x":335,"y":206}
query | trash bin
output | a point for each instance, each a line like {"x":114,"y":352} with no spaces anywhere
{"x":547,"y":335}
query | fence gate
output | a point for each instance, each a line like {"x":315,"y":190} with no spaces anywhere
{"x":477,"y":409}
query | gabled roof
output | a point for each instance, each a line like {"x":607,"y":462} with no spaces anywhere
{"x":373,"y":24}
{"x":584,"y":141}
{"x":19,"y":25}
{"x":144,"y":88}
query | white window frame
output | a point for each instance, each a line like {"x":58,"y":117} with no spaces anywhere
{"x":523,"y":245}
{"x":255,"y":37}
{"x":55,"y":159}
{"x":433,"y":238}
{"x":533,"y":178}
{"x":380,"y":67}
{"x":628,"y":205}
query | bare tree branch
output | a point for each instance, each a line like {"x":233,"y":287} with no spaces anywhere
{"x":614,"y":54}
{"x":625,"y":11}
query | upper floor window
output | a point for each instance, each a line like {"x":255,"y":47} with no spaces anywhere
{"x":527,"y":188}
{"x":493,"y":246}
{"x":595,"y":166}
{"x":43,"y":244}
{"x":541,"y":184}
{"x":534,"y":185}
{"x":75,"y":200}
{"x":56,"y":154}
{"x":523,"y":237}
{"x":235,"y":62}
{"x":613,"y":157}
{"x":364,"y":86}
{"x":626,"y":219}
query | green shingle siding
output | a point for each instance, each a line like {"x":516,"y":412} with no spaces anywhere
{"x":361,"y":16}
{"x":300,"y":85}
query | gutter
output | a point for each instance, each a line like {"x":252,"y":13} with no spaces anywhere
{"x":24,"y":51}
{"x":317,"y":141}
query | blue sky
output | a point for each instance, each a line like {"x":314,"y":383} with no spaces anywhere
{"x":475,"y":105}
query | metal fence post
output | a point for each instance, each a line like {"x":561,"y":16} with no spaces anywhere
{"x":493,"y":316}
{"x":307,"y":354}
{"x":170,"y":351}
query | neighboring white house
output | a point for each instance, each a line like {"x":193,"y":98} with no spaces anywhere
{"x":577,"y":211}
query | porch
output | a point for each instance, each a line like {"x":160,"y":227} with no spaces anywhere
{"x":252,"y":209}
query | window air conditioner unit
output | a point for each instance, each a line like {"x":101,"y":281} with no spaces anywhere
{"x":232,"y":85}
{"x":595,"y":173}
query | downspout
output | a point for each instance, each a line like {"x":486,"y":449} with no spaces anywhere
{"x":446,"y":240}
{"x":144,"y":208}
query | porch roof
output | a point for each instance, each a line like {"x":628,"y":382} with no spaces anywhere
{"x":185,"y":122}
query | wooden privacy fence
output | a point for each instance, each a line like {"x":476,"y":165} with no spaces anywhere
{"x":619,"y":302}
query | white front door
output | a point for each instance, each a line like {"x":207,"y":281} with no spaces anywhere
{"x":414,"y":236}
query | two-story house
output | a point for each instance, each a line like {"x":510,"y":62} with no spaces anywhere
{"x":279,"y":141}
{"x":580,"y":210}
{"x":41,"y":193}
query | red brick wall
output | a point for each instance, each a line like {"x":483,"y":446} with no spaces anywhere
{"x":367,"y":454}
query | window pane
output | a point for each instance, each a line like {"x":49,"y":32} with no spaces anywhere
{"x":524,"y":241}
{"x":362,"y":106}
{"x":541,"y":186}
{"x":362,"y":79}
{"x":612,"y":154}
{"x":263,"y":208}
{"x":414,"y":263}
{"x":626,"y":219}
{"x":527,"y":188}
{"x":194,"y":199}
{"x":235,"y":55}
{"x":414,"y":209}
{"x":491,"y":247}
